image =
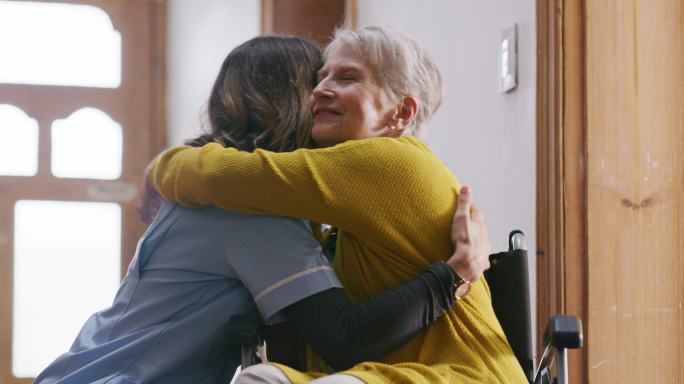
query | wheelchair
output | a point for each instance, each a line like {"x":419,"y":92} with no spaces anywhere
{"x":509,"y":284}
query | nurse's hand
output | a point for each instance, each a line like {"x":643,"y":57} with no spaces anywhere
{"x":470,"y":237}
{"x":149,"y":201}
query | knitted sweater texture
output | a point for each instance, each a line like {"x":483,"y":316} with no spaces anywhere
{"x":393,"y":201}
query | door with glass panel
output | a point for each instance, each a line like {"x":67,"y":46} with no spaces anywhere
{"x":80,"y":116}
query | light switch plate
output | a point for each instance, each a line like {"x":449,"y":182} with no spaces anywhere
{"x":508,"y":59}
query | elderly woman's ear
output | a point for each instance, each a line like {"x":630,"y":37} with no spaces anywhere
{"x":405,"y":113}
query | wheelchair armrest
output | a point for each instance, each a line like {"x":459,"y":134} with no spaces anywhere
{"x":245,"y":330}
{"x":563,"y":332}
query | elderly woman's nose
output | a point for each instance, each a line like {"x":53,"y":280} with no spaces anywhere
{"x":322,"y":89}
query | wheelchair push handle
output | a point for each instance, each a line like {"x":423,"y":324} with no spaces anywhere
{"x":516,"y":241}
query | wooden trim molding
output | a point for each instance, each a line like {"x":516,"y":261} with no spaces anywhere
{"x":157,"y":26}
{"x":267,"y":17}
{"x":561,"y":171}
{"x":351,"y":13}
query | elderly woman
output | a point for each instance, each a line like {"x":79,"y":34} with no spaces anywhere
{"x":388,"y":196}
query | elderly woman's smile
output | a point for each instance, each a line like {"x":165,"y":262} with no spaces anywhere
{"x":325,"y":113}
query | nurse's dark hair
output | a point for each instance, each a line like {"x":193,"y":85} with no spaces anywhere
{"x":259,"y":98}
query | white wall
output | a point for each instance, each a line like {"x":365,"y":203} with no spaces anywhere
{"x":199,"y":36}
{"x":486,"y":138}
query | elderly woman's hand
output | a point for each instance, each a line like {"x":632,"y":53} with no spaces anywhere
{"x":470,"y":237}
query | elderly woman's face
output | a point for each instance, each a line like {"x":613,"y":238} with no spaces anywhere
{"x":348,"y":103}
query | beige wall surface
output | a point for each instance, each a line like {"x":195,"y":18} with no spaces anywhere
{"x":199,"y":36}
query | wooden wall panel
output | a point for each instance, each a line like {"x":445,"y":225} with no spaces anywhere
{"x":311,"y":19}
{"x":635,"y":146}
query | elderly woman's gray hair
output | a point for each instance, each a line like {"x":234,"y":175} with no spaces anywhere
{"x":401,"y":66}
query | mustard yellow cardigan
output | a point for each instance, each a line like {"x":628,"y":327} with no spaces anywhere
{"x":393,"y":201}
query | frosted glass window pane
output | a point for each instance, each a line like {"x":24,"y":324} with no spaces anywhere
{"x":88,"y":145}
{"x":18,"y":142}
{"x":66,"y":267}
{"x":58,"y":44}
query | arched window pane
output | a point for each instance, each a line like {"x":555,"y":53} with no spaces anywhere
{"x":67,"y":259}
{"x":87,"y":144}
{"x":58,"y":44}
{"x":18,"y":142}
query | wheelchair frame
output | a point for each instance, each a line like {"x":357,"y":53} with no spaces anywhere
{"x":508,"y":280}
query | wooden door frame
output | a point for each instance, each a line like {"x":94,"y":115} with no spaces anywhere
{"x":561,"y":168}
{"x":75,"y":189}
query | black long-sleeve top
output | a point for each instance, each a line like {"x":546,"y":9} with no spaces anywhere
{"x":345,"y":334}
